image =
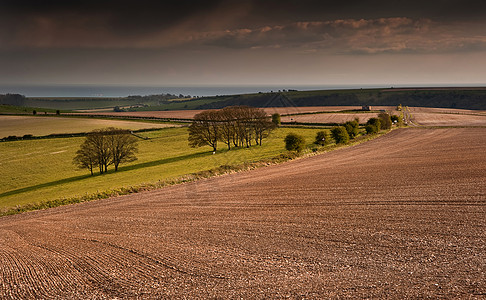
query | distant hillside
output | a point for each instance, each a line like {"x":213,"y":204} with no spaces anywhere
{"x":465,"y":98}
{"x":473,"y":98}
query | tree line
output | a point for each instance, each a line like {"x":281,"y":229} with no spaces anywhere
{"x":235,"y":126}
{"x":343,"y":134}
{"x":105,"y":147}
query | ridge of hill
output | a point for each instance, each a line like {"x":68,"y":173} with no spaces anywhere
{"x":473,"y":98}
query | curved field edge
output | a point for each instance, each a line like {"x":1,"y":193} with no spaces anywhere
{"x":218,"y":171}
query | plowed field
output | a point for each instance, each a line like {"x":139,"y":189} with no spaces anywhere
{"x":448,"y":117}
{"x":401,"y":216}
{"x":338,"y":118}
{"x":189,"y":114}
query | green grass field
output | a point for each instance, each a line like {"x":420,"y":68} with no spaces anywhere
{"x":38,"y":170}
{"x":45,"y":125}
{"x":23,"y":110}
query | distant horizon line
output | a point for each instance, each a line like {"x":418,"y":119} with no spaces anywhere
{"x":201,"y":90}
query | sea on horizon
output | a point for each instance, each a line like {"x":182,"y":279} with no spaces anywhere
{"x":196,"y":90}
{"x":123,"y":91}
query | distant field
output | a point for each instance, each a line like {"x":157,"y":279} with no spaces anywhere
{"x":337,"y":114}
{"x":189,"y":114}
{"x":41,"y":125}
{"x":36,"y":170}
{"x":80,"y":103}
{"x":330,"y":118}
{"x":448,"y":117}
{"x":466,"y":98}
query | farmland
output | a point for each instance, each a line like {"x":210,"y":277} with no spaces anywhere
{"x":45,"y":125}
{"x":448,"y":117}
{"x":47,"y":171}
{"x":401,"y":216}
{"x":189,"y":114}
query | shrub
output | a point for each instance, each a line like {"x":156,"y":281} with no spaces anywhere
{"x":385,"y":119}
{"x":276,"y":119}
{"x":371,"y":129}
{"x":352,"y":127}
{"x":340,"y":135}
{"x":375,"y":122}
{"x":397,"y":120}
{"x":322,"y":138}
{"x":373,"y":126}
{"x":294,"y":142}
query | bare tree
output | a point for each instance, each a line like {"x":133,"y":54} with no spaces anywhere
{"x":123,"y":146}
{"x":96,"y":141}
{"x":235,"y":125}
{"x":205,"y":129}
{"x":228,"y":127}
{"x":86,"y":158}
{"x":103,"y":147}
{"x":263,"y":125}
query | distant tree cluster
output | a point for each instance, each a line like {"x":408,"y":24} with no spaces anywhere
{"x":374,"y":125}
{"x":235,"y":126}
{"x":12,"y":99}
{"x":105,"y":147}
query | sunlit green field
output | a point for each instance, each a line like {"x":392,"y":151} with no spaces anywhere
{"x":36,"y":170}
{"x":45,"y":125}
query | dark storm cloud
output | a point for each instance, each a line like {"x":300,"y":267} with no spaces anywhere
{"x":352,"y":26}
{"x":359,"y":36}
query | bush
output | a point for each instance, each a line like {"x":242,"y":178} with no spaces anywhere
{"x":340,"y":135}
{"x":352,"y":127}
{"x":322,"y":138}
{"x":385,"y":119}
{"x":397,"y":120}
{"x":276,"y":119}
{"x":373,"y":126}
{"x":375,"y":122}
{"x":294,"y":142}
{"x":371,"y":129}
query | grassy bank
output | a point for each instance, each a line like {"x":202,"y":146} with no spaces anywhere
{"x":33,"y":171}
{"x":174,"y":163}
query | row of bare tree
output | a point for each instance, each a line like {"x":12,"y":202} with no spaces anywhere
{"x":235,"y":126}
{"x":104,"y":147}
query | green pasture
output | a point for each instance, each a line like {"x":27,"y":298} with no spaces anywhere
{"x":11,"y":109}
{"x":32,"y":171}
{"x":72,"y":103}
{"x":45,"y":125}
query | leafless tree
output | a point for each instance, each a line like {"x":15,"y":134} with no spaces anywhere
{"x":236,"y":125}
{"x":205,"y":129}
{"x":123,"y":146}
{"x":104,"y":147}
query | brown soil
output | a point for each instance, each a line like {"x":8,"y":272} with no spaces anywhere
{"x":402,"y":216}
{"x":339,"y":118}
{"x":447,"y":117}
{"x":189,"y":114}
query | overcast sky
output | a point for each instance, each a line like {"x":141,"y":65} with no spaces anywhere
{"x":243,"y":42}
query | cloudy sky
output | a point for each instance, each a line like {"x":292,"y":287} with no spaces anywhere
{"x":243,"y":42}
